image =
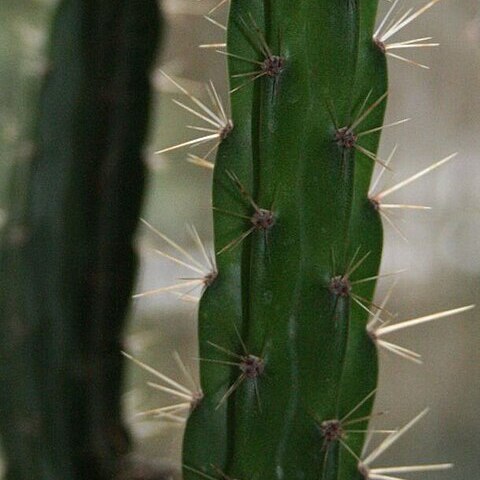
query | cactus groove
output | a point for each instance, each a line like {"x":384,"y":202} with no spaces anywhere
{"x":285,"y":354}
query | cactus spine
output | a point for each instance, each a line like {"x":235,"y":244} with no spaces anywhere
{"x":66,"y":280}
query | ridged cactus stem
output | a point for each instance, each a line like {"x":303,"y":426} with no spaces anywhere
{"x":288,"y":329}
{"x":69,"y":278}
{"x":285,"y":354}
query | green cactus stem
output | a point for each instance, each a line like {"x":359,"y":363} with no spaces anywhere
{"x":285,"y":353}
{"x":288,"y":331}
{"x":67,"y":259}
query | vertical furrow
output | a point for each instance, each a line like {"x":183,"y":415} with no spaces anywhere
{"x":224,"y":306}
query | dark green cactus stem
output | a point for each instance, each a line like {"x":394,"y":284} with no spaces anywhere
{"x":285,"y":354}
{"x":67,"y":261}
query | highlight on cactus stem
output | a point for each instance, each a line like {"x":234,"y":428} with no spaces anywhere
{"x":288,"y":328}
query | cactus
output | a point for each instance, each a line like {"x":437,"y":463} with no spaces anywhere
{"x":67,"y":258}
{"x":288,"y":330}
{"x":294,"y":174}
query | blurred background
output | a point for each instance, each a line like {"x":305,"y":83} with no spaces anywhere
{"x":441,"y":255}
